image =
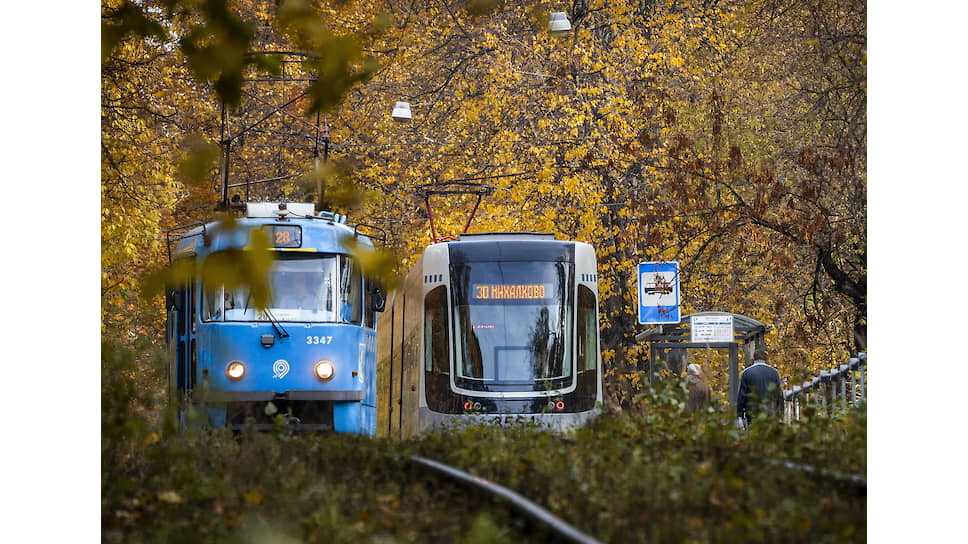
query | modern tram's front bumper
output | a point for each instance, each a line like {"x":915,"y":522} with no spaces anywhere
{"x":557,"y":422}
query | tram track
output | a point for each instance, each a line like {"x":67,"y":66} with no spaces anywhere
{"x":522,"y":505}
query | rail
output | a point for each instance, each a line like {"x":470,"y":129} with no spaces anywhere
{"x":829,"y":391}
{"x":535,"y":511}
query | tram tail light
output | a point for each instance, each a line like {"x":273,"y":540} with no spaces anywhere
{"x":560,"y":405}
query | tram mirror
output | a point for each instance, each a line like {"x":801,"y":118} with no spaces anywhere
{"x":378,"y":301}
{"x":173,"y":299}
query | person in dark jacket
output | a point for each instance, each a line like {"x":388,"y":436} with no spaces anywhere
{"x":759,"y":389}
{"x":699,"y":394}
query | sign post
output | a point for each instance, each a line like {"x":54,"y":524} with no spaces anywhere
{"x":658,"y":286}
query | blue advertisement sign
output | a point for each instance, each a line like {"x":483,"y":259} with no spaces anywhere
{"x":658,"y":293}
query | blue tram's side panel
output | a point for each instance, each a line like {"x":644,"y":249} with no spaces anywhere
{"x":211,"y":329}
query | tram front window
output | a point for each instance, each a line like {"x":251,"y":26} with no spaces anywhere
{"x":311,"y":289}
{"x":513,"y":326}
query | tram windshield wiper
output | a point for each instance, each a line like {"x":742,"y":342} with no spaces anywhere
{"x":280,"y":330}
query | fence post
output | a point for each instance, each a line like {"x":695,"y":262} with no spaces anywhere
{"x":843,"y":385}
{"x":816,"y":393}
{"x":863,"y":376}
{"x":854,"y":363}
{"x":824,"y":378}
{"x":833,"y":392}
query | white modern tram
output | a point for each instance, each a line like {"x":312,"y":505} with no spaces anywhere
{"x":499,"y":328}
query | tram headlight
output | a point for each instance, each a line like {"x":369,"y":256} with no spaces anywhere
{"x":235,"y":370}
{"x":324,"y":370}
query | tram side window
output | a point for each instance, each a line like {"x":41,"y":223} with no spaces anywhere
{"x":587,"y":330}
{"x":212,"y":304}
{"x":369,"y":316}
{"x":351,"y":296}
{"x":435,"y":332}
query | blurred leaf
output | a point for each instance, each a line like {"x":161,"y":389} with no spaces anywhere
{"x":339,"y":62}
{"x":215,"y":49}
{"x":200,"y":157}
{"x":377,"y":263}
{"x":381,"y":23}
{"x":271,"y":64}
{"x":178,"y":274}
{"x":484,"y":531}
{"x":233,"y":267}
{"x":169,"y":497}
{"x":339,"y":66}
{"x":339,"y":186}
{"x":478,"y":8}
{"x":253,"y":496}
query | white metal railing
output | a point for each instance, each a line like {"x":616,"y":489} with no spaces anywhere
{"x":832,"y":391}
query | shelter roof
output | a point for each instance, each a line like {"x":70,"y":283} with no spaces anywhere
{"x":744,"y":328}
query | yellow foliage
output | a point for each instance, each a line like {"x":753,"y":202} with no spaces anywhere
{"x":582,"y":136}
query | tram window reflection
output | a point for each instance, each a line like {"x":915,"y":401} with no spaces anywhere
{"x":301,"y":289}
{"x":212,"y":304}
{"x":351,"y":294}
{"x":587,"y":330}
{"x":436,"y":349}
{"x":520,"y":339}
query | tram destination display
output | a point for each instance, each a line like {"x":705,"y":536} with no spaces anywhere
{"x":284,"y":235}
{"x":511,"y":292}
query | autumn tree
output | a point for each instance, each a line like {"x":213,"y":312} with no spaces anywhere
{"x":771,"y":162}
{"x":641,"y":131}
{"x":729,"y":136}
{"x":171,"y":69}
{"x":572,"y":127}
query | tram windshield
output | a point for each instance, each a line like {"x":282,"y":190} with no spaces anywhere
{"x":313,"y":289}
{"x":512,"y":325}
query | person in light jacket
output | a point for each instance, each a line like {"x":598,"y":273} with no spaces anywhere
{"x":699,"y":394}
{"x":759,"y":390}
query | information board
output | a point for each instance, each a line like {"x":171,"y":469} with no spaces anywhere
{"x":658,"y":287}
{"x":710,"y":329}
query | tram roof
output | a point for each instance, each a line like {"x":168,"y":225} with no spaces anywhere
{"x":322,"y":232}
{"x":489,"y":236}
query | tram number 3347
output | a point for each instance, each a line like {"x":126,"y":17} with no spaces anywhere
{"x":319,"y":339}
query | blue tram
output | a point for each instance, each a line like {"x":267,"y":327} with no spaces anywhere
{"x":498,"y":328}
{"x":309,"y":356}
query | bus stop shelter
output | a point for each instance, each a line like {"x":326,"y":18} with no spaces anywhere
{"x":673,"y":340}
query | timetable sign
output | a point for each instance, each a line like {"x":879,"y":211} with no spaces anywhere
{"x":658,"y":287}
{"x":709,"y":329}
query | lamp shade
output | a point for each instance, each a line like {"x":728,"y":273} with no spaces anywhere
{"x":558,"y":23}
{"x":401,"y":112}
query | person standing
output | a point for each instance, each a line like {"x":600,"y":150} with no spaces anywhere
{"x":699,"y":393}
{"x":759,"y":389}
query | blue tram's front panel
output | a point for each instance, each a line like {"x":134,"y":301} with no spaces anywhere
{"x":310,"y":355}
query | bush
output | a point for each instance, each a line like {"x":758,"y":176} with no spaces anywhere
{"x":653,"y":473}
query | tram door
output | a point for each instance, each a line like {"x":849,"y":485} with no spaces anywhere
{"x":173,"y":344}
{"x":181,"y":343}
